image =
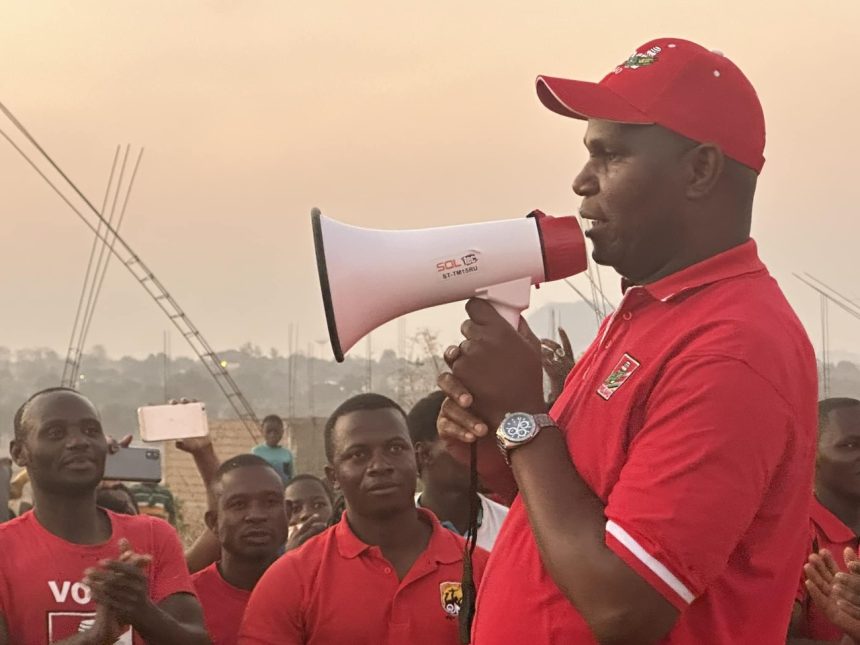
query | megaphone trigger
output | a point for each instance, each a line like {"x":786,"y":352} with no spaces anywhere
{"x":510,"y":298}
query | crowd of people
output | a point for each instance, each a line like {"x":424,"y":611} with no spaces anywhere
{"x":89,"y":568}
{"x":679,"y":484}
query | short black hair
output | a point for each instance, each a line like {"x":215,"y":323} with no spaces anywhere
{"x":422,"y":418}
{"x":245,"y":460}
{"x":18,"y":424}
{"x":827,"y":406}
{"x":273,"y":418}
{"x":308,"y":477}
{"x":357,"y":403}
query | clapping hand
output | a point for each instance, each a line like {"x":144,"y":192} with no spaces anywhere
{"x":121,"y":585}
{"x":836,"y":593}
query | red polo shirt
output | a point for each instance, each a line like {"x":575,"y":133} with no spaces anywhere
{"x":826,"y":531}
{"x":223,"y":604}
{"x":337,"y":589}
{"x":693,"y":418}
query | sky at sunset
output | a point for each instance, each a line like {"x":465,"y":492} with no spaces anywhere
{"x":385,"y":114}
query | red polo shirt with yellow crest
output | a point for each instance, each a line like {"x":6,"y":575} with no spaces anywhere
{"x":693,"y":418}
{"x":335,"y":589}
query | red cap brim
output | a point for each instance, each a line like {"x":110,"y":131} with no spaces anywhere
{"x":584,"y":100}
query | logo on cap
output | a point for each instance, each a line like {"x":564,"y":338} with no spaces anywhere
{"x":640,"y":59}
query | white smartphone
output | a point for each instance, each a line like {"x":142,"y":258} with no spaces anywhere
{"x":170,"y":422}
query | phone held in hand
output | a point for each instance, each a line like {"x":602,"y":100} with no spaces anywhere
{"x":171,"y":422}
{"x":134,"y":465}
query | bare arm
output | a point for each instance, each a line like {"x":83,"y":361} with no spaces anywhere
{"x":176,"y":620}
{"x":620,"y":606}
{"x":203,"y":453}
{"x":205,"y":550}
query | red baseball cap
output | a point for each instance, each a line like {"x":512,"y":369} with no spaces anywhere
{"x":676,"y":84}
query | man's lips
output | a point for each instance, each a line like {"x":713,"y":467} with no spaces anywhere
{"x":257,"y":535}
{"x":78,"y":461}
{"x":383,"y":488}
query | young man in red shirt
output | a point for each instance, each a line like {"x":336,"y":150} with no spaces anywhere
{"x":661,"y":499}
{"x":250,"y":521}
{"x":387,"y":573}
{"x":74,"y":573}
{"x":835,"y":515}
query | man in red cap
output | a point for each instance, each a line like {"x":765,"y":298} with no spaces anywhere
{"x":663,"y":498}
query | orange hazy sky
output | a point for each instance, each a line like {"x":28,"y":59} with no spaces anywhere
{"x":383,"y":114}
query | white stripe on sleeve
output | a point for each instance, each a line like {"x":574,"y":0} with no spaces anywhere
{"x":649,"y":561}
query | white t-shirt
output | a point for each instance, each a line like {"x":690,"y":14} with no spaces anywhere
{"x":491,"y":522}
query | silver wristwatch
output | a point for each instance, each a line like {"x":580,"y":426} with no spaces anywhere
{"x":518,"y":429}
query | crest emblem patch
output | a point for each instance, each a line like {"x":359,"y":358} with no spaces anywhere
{"x":640,"y":59}
{"x":623,"y":371}
{"x":451,"y":594}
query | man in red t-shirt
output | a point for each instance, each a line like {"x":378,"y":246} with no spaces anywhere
{"x":835,"y":515}
{"x":662,"y":498}
{"x":387,"y":573}
{"x":74,"y":573}
{"x":250,"y":521}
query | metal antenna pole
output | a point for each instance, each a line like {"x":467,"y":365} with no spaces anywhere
{"x":146,"y":278}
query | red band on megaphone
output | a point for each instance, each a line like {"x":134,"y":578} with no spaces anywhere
{"x":563,"y":246}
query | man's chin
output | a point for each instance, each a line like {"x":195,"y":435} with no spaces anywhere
{"x":387,"y":510}
{"x":602,"y":257}
{"x":259,"y":553}
{"x":73,"y":487}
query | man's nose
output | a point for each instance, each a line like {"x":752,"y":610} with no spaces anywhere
{"x":585,"y":183}
{"x":379,"y":462}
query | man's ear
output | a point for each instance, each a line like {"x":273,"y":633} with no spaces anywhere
{"x":331,"y":477}
{"x":706,"y":164}
{"x":211,"y":519}
{"x":19,"y":453}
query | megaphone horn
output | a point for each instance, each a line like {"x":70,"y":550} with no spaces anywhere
{"x":370,"y":276}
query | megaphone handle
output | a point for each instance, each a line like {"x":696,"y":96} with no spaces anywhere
{"x":510,"y":299}
{"x":511,"y":314}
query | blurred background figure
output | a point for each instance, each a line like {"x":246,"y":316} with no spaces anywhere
{"x":118,"y":498}
{"x":310,"y":507}
{"x":271,"y":449}
{"x":445,"y":480}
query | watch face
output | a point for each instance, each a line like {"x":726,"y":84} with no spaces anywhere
{"x":518,"y":427}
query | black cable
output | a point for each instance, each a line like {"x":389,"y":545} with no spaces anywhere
{"x":467,"y":609}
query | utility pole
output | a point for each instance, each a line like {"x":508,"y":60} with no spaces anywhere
{"x":370,"y":362}
{"x":165,"y":368}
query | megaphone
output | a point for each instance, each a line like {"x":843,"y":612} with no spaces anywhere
{"x":370,"y":276}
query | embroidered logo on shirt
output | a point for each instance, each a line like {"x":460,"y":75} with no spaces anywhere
{"x":623,"y":371}
{"x":452,"y":598}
